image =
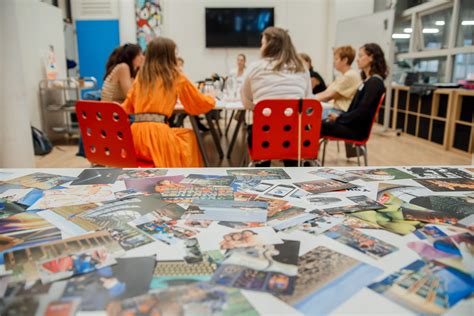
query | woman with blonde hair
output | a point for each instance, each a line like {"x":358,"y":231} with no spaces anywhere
{"x":152,"y":100}
{"x":279,"y":74}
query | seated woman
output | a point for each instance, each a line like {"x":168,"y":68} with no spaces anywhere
{"x":121,"y":69}
{"x":279,"y":74}
{"x":152,"y":99}
{"x":317,"y":82}
{"x":356,"y":122}
{"x":341,"y":90}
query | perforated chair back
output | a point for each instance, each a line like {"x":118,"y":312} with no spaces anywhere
{"x":105,"y":129}
{"x":275,"y":129}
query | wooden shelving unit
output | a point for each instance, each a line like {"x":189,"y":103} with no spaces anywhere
{"x":462,"y":122}
{"x":443,"y":117}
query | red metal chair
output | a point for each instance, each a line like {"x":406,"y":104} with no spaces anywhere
{"x":360,"y":145}
{"x":105,"y":129}
{"x":286,"y":129}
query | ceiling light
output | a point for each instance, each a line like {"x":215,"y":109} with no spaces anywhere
{"x":439,"y":23}
{"x":430,"y":30}
{"x":408,"y":30}
{"x":467,"y":23}
{"x":400,"y":36}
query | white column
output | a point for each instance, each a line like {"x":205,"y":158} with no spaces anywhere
{"x":16,"y":146}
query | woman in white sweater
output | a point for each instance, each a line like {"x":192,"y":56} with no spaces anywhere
{"x":279,"y":74}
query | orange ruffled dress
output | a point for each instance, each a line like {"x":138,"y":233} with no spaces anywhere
{"x":167,"y":147}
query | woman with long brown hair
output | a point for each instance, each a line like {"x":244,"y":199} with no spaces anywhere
{"x":152,"y":100}
{"x":356,"y":122}
{"x":279,"y":74}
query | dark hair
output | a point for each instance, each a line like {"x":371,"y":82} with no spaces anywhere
{"x":280,"y":49}
{"x":123,"y":54}
{"x":379,"y":65}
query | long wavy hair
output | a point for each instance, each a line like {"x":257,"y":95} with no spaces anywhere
{"x":280,"y":49}
{"x":160,"y":64}
{"x":378,"y":65}
{"x":123,"y":54}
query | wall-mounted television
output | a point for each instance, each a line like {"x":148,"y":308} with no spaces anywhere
{"x":236,"y":27}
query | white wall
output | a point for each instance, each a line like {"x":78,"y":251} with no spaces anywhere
{"x":184,"y":22}
{"x":339,"y":10}
{"x":16,"y":147}
{"x":127,"y":24}
{"x":40,"y":25}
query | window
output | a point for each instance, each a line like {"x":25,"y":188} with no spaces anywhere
{"x":466,"y":24}
{"x":463,"y":66}
{"x":435,"y":29}
{"x":401,"y":35}
{"x":430,"y":70}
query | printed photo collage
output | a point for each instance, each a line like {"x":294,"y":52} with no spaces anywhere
{"x":108,"y":239}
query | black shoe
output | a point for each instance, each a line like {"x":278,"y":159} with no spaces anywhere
{"x":202,"y":127}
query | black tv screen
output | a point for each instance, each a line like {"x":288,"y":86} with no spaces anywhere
{"x":236,"y":27}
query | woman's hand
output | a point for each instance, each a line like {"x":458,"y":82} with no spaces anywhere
{"x":332,"y":117}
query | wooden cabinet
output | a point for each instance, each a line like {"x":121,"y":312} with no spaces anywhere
{"x":462,"y":125}
{"x":443,"y":117}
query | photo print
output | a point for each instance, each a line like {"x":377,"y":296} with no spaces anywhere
{"x":97,"y":176}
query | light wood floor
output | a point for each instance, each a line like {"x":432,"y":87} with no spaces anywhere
{"x":384,"y":149}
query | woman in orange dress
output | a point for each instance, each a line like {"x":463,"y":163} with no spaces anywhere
{"x":152,"y":99}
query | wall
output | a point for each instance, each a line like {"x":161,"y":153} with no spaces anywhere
{"x":16,"y":147}
{"x":339,"y":10}
{"x":40,"y":25}
{"x":184,"y":21}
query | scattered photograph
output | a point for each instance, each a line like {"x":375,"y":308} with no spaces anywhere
{"x":438,"y":173}
{"x":322,"y":283}
{"x":24,"y":230}
{"x":381,"y":174}
{"x":23,"y":263}
{"x":321,"y":201}
{"x":141,"y":173}
{"x":320,"y":186}
{"x":447,"y":185}
{"x":208,"y":180}
{"x":280,"y":190}
{"x":320,"y":222}
{"x":40,"y":180}
{"x":262,"y":187}
{"x":336,"y":174}
{"x":363,"y":203}
{"x":192,"y":251}
{"x":64,"y":267}
{"x":188,"y":194}
{"x":200,"y":298}
{"x":262,"y":174}
{"x":429,"y":232}
{"x":167,"y":231}
{"x":371,"y":246}
{"x":455,"y":251}
{"x":97,"y":176}
{"x":178,"y":273}
{"x":236,"y":211}
{"x":250,"y":237}
{"x":74,"y":196}
{"x":425,"y":287}
{"x":270,"y":268}
{"x":153,"y":184}
{"x":128,"y":278}
{"x":299,"y":194}
{"x":289,"y":217}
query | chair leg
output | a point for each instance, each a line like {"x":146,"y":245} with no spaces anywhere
{"x":365,"y":156}
{"x":338,"y":147}
{"x":358,"y":154}
{"x":325,"y":142}
{"x":251,"y":163}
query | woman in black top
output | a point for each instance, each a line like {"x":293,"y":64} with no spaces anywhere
{"x":356,"y":122}
{"x":317,"y":82}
